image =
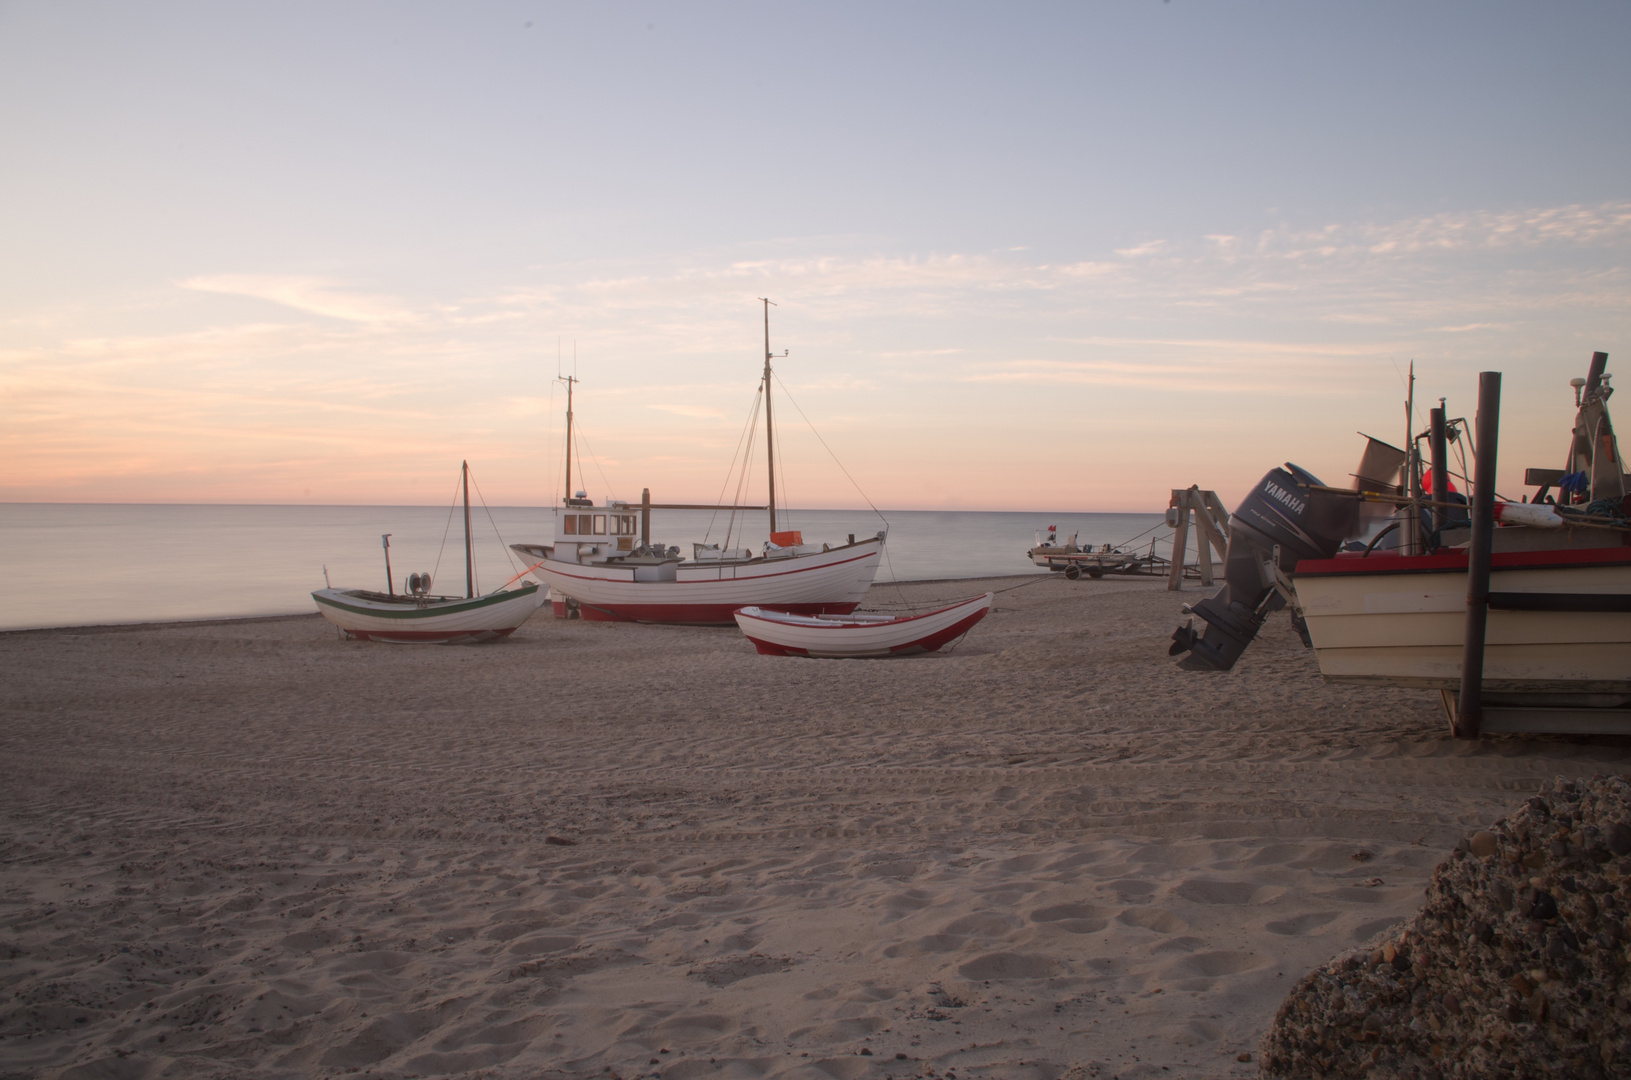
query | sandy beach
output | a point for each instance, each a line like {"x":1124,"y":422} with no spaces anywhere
{"x":254,"y":849}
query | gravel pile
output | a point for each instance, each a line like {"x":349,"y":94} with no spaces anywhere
{"x":1516,"y":967}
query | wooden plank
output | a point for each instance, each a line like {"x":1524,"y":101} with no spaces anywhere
{"x":1180,"y":542}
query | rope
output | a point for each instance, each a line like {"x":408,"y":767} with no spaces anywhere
{"x":452,"y":503}
{"x":829,"y":450}
{"x":506,"y":548}
{"x":753,"y":419}
{"x":583,"y":440}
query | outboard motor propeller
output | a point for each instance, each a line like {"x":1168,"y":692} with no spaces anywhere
{"x":1281,"y":512}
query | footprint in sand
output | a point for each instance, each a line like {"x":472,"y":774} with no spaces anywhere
{"x":1160,"y":920}
{"x":933,"y":943}
{"x":1300,"y":924}
{"x":538,"y":946}
{"x":1132,"y":890}
{"x":986,"y":924}
{"x":1207,"y":891}
{"x":1072,"y":918}
{"x":1006,"y":965}
{"x":1213,"y":964}
{"x":729,"y":969}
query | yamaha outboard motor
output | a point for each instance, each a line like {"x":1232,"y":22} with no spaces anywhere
{"x":1280,"y":512}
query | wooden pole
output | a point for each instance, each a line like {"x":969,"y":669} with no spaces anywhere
{"x":1441,"y":467}
{"x":1180,"y":543}
{"x":770,"y":435}
{"x":469,"y":557}
{"x":1470,"y":710}
{"x":569,"y":380}
{"x":645,"y":517}
{"x":1205,"y":536}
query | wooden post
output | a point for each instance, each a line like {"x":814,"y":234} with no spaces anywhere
{"x":1441,"y":467}
{"x":1470,"y":710}
{"x":1180,"y":542}
{"x":1211,"y":531}
{"x":469,"y":556}
{"x":645,"y":517}
{"x":1204,"y":538}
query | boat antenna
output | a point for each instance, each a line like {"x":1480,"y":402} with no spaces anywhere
{"x":469,"y":558}
{"x":770,"y":441}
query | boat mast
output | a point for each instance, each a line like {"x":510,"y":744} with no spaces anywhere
{"x":569,"y":380}
{"x":770,"y":436}
{"x":469,"y":560}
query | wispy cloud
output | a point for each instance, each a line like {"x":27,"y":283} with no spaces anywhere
{"x":315,"y":296}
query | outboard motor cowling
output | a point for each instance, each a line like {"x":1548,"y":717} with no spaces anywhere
{"x":1281,"y":511}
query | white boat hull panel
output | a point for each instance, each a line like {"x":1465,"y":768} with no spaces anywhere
{"x":1391,"y":623}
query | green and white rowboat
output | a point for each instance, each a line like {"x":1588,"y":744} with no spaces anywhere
{"x":374,"y":616}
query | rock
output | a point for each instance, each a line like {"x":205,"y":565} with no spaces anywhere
{"x":1617,"y":838}
{"x":1515,"y":967}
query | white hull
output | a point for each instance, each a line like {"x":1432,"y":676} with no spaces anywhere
{"x":703,"y":593}
{"x":1401,"y":622}
{"x":373,"y":618}
{"x":834,"y":636}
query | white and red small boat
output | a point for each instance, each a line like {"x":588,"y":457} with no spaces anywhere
{"x":779,"y":633}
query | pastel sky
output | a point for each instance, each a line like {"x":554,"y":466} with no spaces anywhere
{"x":1026,"y":256}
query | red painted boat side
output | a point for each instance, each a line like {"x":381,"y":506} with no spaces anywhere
{"x":946,"y":636}
{"x":1457,"y":560}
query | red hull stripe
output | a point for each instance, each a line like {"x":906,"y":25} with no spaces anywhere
{"x":1457,"y":561}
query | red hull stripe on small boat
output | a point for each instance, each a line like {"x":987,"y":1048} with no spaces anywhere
{"x":1457,"y":560}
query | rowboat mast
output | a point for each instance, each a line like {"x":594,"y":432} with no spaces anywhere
{"x":770,"y":438}
{"x":469,"y":556}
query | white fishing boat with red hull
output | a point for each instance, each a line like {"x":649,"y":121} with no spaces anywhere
{"x":646,"y":588}
{"x":775,"y":633}
{"x":603,"y":565}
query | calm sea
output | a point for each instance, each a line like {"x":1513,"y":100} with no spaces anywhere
{"x":89,"y":564}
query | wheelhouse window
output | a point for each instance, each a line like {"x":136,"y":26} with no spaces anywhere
{"x":570,"y":522}
{"x":600,"y":524}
